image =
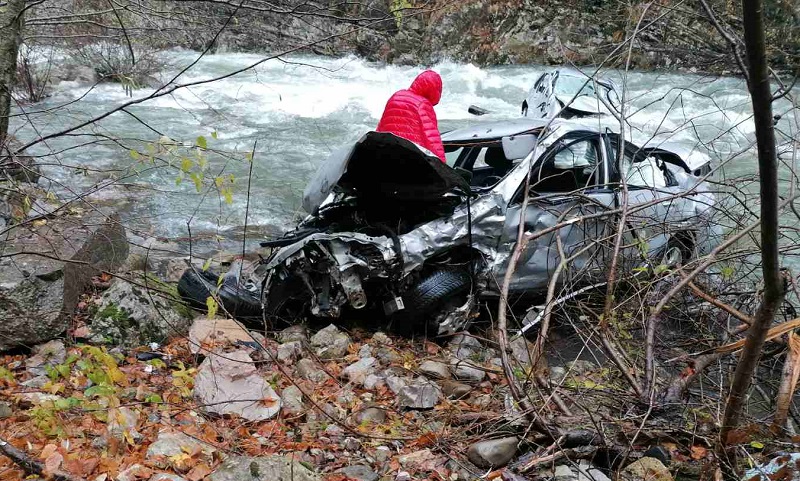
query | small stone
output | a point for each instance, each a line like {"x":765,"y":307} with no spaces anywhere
{"x":307,"y":369}
{"x":166,"y":477}
{"x":373,"y":381}
{"x":263,"y":468}
{"x":122,"y":423}
{"x":464,"y":347}
{"x":388,"y":355}
{"x":292,"y":398}
{"x":650,"y":469}
{"x":330,"y":343}
{"x":37,"y":382}
{"x":334,"y":431}
{"x":100,"y":442}
{"x":455,"y":389}
{"x":365,"y":351}
{"x":396,"y":383}
{"x":5,"y":410}
{"x":466,"y":371}
{"x":289,"y":352}
{"x":212,"y":334}
{"x":351,"y":444}
{"x":403,"y":476}
{"x":382,"y":454}
{"x":422,"y":394}
{"x":170,"y":445}
{"x":381,"y":338}
{"x":134,"y":472}
{"x":358,"y":371}
{"x":435,"y":369}
{"x":557,"y":374}
{"x":44,"y":356}
{"x":296,"y":332}
{"x":565,"y":473}
{"x":493,"y":453}
{"x":358,"y":473}
{"x":370,"y":415}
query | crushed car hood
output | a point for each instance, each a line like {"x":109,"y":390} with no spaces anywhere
{"x":382,"y":167}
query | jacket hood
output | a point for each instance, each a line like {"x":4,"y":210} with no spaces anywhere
{"x":429,"y":85}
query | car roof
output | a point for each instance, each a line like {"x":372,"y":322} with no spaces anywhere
{"x":503,"y":128}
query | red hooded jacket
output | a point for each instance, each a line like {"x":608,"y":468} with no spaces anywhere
{"x":409,"y":113}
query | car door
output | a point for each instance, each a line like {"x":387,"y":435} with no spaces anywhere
{"x":568,"y":183}
{"x":655,"y":209}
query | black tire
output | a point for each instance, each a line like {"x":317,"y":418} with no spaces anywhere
{"x":682,"y":244}
{"x":433,"y":293}
{"x":196,"y":286}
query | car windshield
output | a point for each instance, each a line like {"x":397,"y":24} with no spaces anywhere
{"x":567,"y":85}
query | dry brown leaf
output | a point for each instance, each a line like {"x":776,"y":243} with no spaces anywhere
{"x":53,"y":462}
{"x":48,"y":450}
{"x":199,"y":472}
{"x":699,"y":452}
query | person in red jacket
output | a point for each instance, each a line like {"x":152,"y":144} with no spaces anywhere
{"x":409,"y":113}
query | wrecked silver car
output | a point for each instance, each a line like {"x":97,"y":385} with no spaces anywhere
{"x":392,"y":228}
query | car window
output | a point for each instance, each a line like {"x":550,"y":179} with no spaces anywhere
{"x":573,"y":166}
{"x":451,"y":154}
{"x":645,"y":173}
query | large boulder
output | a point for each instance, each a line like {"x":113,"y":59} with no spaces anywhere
{"x":46,"y":268}
{"x":131,"y":315}
{"x":230,"y":384}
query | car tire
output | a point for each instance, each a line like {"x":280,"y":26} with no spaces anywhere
{"x":195,"y":286}
{"x":434,"y":293}
{"x":678,"y":251}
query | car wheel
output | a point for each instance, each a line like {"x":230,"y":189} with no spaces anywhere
{"x":429,"y":302}
{"x":677,"y":252}
{"x":195,"y":286}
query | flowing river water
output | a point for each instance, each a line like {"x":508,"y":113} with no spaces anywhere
{"x":301,"y":108}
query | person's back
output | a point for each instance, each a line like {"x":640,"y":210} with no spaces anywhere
{"x":409,"y":113}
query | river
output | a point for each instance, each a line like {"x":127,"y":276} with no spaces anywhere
{"x":298,"y":110}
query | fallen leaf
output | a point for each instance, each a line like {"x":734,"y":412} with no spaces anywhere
{"x":82,"y":467}
{"x":53,"y":462}
{"x":199,"y":472}
{"x":48,"y":450}
{"x":698,"y":452}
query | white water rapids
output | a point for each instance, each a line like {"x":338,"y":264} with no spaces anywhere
{"x":299,"y":110}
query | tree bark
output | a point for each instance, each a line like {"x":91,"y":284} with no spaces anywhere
{"x":10,"y":38}
{"x":761,"y":97}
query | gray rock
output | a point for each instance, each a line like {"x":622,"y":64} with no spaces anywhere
{"x":494,"y":452}
{"x":230,"y":384}
{"x":38,"y":294}
{"x":786,"y":464}
{"x":381,"y":338}
{"x":463,"y":346}
{"x":166,"y":477}
{"x":421,"y":394}
{"x":330,"y":343}
{"x":37,"y":382}
{"x":296,"y":332}
{"x":435,"y":369}
{"x":289,"y":352}
{"x":373,"y":381}
{"x":130,"y":316}
{"x":359,"y":473}
{"x":388,"y":355}
{"x":403,"y":476}
{"x":358,"y":371}
{"x":351,"y":444}
{"x":370,"y":415}
{"x":211,"y":334}
{"x":266,"y":468}
{"x":466,"y":371}
{"x":132,"y":473}
{"x":396,"y":383}
{"x":365,"y":351}
{"x":292,"y":399}
{"x":5,"y":410}
{"x":382,"y":454}
{"x":652,"y":469}
{"x":46,"y":355}
{"x":169,"y":444}
{"x":455,"y":390}
{"x":122,"y":423}
{"x":585,"y":471}
{"x":522,"y":350}
{"x":307,"y":369}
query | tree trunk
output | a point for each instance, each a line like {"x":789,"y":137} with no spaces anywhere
{"x":761,"y":96}
{"x":10,"y":38}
